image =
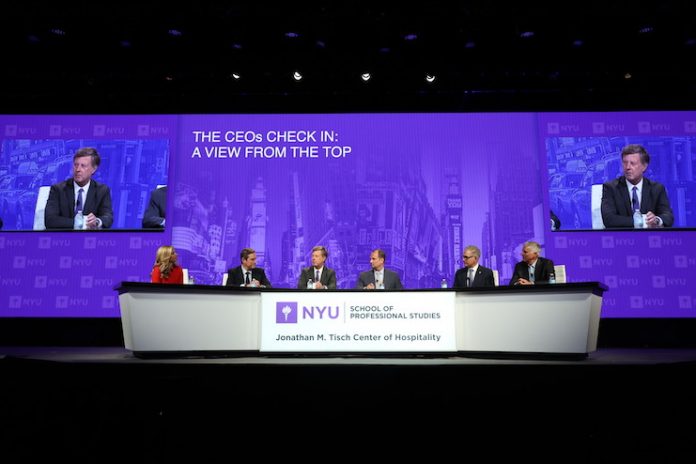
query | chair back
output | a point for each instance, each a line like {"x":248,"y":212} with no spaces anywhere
{"x":40,"y":208}
{"x":596,"y":202}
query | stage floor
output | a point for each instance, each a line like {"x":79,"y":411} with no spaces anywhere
{"x":102,"y":403}
{"x":118,"y":355}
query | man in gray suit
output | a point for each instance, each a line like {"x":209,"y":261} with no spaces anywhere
{"x":379,"y":277}
{"x":320,"y":276}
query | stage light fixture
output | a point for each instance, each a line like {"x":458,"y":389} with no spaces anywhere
{"x":297,"y":76}
{"x":365,"y":76}
{"x":430,"y":78}
{"x":235,"y":76}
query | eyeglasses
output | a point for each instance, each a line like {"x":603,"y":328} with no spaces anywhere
{"x":466,"y":257}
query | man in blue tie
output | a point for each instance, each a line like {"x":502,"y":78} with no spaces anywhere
{"x":633,"y":192}
{"x":533,"y":269}
{"x":80,"y":194}
{"x":322,"y":277}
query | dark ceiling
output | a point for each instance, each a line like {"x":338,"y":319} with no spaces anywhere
{"x":162,"y":57}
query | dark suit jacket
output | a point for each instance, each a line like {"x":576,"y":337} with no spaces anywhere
{"x":235,"y":278}
{"x":60,"y":206}
{"x":155,"y":212}
{"x":542,"y":271}
{"x":328,"y":277}
{"x":391,"y":280}
{"x":482,"y":278}
{"x":617,"y":210}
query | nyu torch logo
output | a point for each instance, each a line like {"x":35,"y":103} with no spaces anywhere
{"x":286,"y":312}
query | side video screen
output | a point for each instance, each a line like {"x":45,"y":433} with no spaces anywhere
{"x":38,"y":153}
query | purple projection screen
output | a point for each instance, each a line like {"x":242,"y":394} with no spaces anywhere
{"x":419,"y":186}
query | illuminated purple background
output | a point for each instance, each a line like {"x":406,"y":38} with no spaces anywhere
{"x":420,"y":186}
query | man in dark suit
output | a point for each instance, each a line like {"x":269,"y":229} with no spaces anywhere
{"x":631,"y":192}
{"x":533,"y":268}
{"x":379,"y":277}
{"x":321,"y":276}
{"x":473,"y":274}
{"x":155,"y":212}
{"x":80,"y":194}
{"x":247,"y":275}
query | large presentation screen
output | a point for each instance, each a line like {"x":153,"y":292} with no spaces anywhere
{"x":421,"y":187}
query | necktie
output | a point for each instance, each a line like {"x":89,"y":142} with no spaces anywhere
{"x":78,"y":203}
{"x":471,"y":277}
{"x":636,"y":204}
{"x":531,"y":273}
{"x":248,"y":278}
{"x":316,"y":275}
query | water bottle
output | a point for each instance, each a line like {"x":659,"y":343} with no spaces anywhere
{"x":552,"y":278}
{"x":443,"y":283}
{"x":310,"y":284}
{"x":79,"y":221}
{"x":637,"y":220}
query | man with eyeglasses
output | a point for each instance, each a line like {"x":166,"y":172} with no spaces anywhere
{"x":473,"y":274}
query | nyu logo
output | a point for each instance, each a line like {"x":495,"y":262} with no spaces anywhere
{"x":12,"y":243}
{"x":57,"y":131}
{"x":108,"y":302}
{"x":101,"y":130}
{"x":46,"y":243}
{"x":286,"y":312}
{"x":646,"y":127}
{"x":681,"y":261}
{"x":144,"y":130}
{"x":658,"y":281}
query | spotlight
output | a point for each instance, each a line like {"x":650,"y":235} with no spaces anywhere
{"x":236,"y":76}
{"x":430,"y":78}
{"x":365,"y":76}
{"x":297,"y":76}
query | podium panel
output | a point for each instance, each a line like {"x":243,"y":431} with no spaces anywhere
{"x":560,"y":319}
